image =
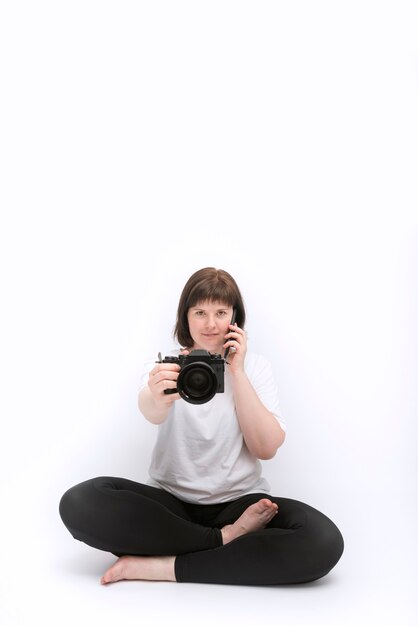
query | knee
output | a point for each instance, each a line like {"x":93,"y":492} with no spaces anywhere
{"x":326,"y":548}
{"x":68,"y":506}
{"x":75,"y":503}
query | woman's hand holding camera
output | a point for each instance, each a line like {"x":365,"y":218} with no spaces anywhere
{"x":164,"y":376}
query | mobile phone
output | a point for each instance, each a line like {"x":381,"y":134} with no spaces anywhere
{"x":233,"y":318}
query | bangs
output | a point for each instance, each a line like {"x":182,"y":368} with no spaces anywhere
{"x":212,"y":291}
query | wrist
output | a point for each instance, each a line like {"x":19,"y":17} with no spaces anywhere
{"x":239,"y":375}
{"x":153,"y":410}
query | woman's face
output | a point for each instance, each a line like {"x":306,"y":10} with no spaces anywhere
{"x":208,"y":325}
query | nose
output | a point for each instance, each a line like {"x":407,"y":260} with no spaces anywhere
{"x":211,"y":321}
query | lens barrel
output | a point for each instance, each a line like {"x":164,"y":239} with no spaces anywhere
{"x":197,"y":382}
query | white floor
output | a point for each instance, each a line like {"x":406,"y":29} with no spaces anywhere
{"x":56,"y":581}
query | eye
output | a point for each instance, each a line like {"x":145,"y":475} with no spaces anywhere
{"x":200,"y":313}
{"x":222,"y":313}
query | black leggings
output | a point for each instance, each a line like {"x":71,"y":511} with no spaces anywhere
{"x":120,"y":516}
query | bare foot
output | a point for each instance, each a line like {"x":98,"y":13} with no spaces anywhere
{"x":257,"y":516}
{"x":140,"y":568}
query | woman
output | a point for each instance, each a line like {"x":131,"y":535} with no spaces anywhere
{"x":206,"y":514}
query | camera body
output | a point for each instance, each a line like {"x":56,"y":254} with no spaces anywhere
{"x":201,"y":375}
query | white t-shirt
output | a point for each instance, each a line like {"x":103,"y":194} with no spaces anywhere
{"x":200,"y":455}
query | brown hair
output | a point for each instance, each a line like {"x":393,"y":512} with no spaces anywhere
{"x":212,"y":285}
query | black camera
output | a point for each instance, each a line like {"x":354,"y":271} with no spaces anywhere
{"x":201,"y":375}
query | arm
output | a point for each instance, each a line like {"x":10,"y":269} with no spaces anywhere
{"x":262,"y":432}
{"x":153,"y":403}
{"x":149,"y":408}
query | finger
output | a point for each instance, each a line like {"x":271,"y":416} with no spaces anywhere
{"x":164,"y":367}
{"x":157,"y":389}
{"x":166,"y":384}
{"x":162,"y":376}
{"x":232,"y":345}
{"x":171,"y":398}
{"x":234,"y":335}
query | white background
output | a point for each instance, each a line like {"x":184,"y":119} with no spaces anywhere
{"x":141,"y":141}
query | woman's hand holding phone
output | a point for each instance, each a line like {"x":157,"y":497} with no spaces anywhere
{"x":235,"y":346}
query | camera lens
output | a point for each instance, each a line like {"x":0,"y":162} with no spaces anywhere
{"x":197,"y":383}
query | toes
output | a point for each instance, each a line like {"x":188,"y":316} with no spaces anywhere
{"x":272,"y":506}
{"x":263,"y":505}
{"x":109,"y":577}
{"x":271,"y":509}
{"x":269,"y":505}
{"x":113,"y":574}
